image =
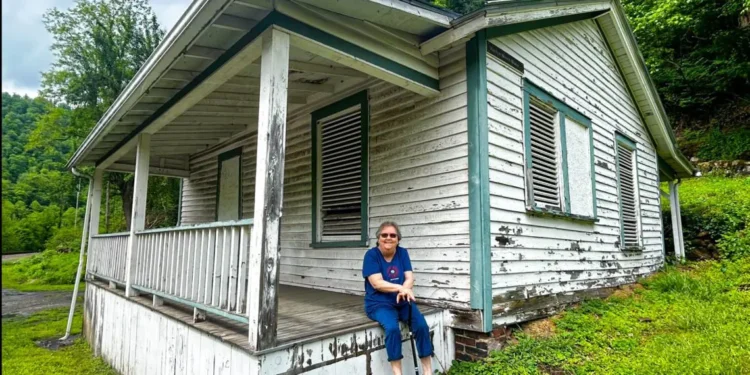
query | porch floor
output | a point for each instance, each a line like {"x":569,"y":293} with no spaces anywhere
{"x":305,"y":314}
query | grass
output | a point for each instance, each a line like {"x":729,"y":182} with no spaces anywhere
{"x":691,"y":320}
{"x":21,"y":355}
{"x":45,"y":271}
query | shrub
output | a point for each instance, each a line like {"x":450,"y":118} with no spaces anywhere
{"x":712,"y":207}
{"x":47,"y":268}
{"x":735,"y":245}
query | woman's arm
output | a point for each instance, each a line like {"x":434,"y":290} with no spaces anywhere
{"x":377,"y":282}
{"x":409,"y":279}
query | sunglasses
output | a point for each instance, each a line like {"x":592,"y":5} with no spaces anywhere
{"x":386,"y":235}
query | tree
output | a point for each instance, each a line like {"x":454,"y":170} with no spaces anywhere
{"x":99,"y":45}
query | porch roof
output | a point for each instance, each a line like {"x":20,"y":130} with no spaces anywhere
{"x":202,"y":84}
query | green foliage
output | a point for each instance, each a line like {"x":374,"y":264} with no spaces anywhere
{"x":735,"y":245}
{"x":685,"y":321}
{"x":99,"y":46}
{"x":22,"y":356}
{"x":695,"y":51}
{"x":48,"y":270}
{"x":716,"y":144}
{"x":460,"y":6}
{"x":712,"y":208}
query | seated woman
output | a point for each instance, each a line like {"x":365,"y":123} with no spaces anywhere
{"x":388,"y":285}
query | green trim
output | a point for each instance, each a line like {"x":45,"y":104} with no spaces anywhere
{"x":237,"y":318}
{"x":479,"y":181}
{"x":498,"y":31}
{"x":565,"y":112}
{"x":224,"y":156}
{"x":354,"y":50}
{"x":630,"y":145}
{"x":294,"y":26}
{"x":360,"y":99}
{"x":665,"y":168}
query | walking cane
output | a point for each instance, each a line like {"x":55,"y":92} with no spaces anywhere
{"x":413,"y":346}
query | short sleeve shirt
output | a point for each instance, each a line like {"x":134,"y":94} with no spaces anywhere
{"x":392,"y":272}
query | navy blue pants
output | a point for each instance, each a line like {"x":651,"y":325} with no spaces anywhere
{"x":389,"y":316}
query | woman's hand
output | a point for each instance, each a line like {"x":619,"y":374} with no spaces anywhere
{"x":405,"y":294}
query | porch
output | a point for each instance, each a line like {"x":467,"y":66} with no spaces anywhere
{"x":198,"y":274}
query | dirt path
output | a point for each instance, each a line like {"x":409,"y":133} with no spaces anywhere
{"x":26,"y":303}
{"x":10,"y":257}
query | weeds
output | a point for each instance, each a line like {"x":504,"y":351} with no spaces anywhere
{"x":687,"y":320}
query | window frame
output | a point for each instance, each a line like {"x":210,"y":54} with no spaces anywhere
{"x":224,"y":156}
{"x":362,"y":99}
{"x":627,"y":142}
{"x":563,"y":112}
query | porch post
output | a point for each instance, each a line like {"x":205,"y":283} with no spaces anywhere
{"x":674,"y":204}
{"x":96,"y":202}
{"x":95,"y":205}
{"x":269,"y":184}
{"x":138,"y":214}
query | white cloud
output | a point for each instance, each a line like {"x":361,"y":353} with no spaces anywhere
{"x":13,"y":88}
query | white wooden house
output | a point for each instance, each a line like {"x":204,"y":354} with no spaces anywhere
{"x":519,"y":147}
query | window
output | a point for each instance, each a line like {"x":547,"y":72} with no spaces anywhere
{"x":229,"y":189}
{"x":559,"y":154}
{"x":339,"y":159}
{"x":627,"y":192}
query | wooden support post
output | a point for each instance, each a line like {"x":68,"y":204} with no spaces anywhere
{"x":674,"y":204}
{"x":112,"y":285}
{"x":158,"y":301}
{"x":95,"y":207}
{"x":198,"y":315}
{"x":269,"y":183}
{"x":96,"y":203}
{"x":138,"y":216}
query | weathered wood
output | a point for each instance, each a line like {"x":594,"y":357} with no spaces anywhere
{"x":96,"y":202}
{"x":138,"y":216}
{"x":674,"y":209}
{"x":269,"y":183}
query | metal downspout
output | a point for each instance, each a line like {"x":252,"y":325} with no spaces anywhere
{"x":84,"y":237}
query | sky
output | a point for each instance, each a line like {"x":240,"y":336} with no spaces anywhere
{"x":26,"y":43}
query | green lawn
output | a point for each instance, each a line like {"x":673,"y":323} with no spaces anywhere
{"x":21,"y":355}
{"x":692,"y":320}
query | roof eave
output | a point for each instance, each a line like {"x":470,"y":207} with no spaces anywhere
{"x":199,"y":14}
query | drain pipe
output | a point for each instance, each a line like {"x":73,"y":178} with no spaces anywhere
{"x":84,"y":237}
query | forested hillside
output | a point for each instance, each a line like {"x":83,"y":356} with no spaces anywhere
{"x":38,"y":195}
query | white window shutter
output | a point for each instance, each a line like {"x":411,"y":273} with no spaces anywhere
{"x":544,"y":156}
{"x":341,"y":174}
{"x":628,"y":215}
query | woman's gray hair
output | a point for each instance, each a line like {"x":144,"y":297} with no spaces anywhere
{"x":386,"y":224}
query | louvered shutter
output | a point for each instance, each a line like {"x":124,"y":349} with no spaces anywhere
{"x":544,"y":159}
{"x":627,"y":196}
{"x":341,"y":177}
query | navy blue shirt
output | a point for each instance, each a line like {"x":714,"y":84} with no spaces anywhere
{"x":392,"y":272}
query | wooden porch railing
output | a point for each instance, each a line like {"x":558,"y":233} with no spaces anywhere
{"x":203,"y":266}
{"x":108,"y":256}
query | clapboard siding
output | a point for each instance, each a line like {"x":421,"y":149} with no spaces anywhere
{"x":199,"y":191}
{"x":418,"y":177}
{"x":536,"y":256}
